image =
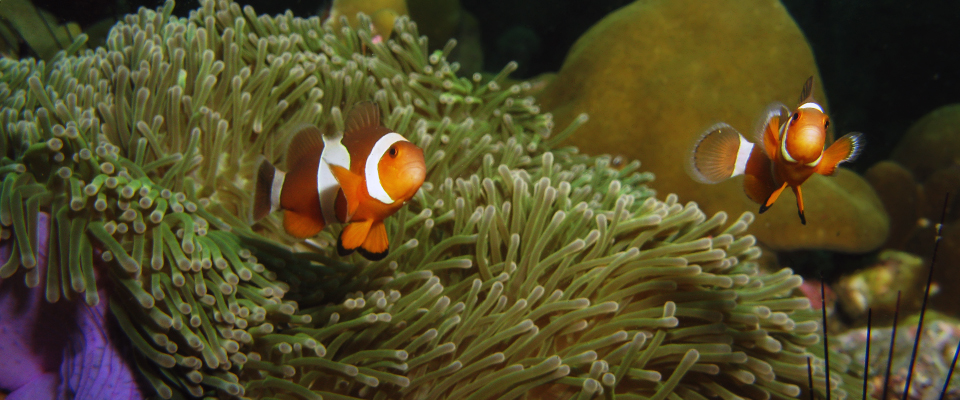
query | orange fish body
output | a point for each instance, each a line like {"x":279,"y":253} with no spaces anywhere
{"x":791,"y":151}
{"x":359,"y":178}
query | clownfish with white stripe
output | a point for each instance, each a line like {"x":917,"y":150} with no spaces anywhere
{"x":791,"y":150}
{"x":358,"y":178}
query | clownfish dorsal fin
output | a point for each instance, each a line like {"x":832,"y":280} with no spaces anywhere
{"x":306,"y":141}
{"x":806,"y":95}
{"x":363,"y":115}
{"x":351,"y":184}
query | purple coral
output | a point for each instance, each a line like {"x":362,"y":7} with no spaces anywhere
{"x":62,"y":350}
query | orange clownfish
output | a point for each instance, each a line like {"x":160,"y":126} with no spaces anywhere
{"x":358,"y":178}
{"x":791,"y":150}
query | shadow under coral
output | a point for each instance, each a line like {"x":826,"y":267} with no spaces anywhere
{"x":61,"y":350}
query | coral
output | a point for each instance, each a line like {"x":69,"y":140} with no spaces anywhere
{"x":931,"y":143}
{"x":522,"y":268}
{"x":937,"y":349}
{"x":654,"y":75}
{"x":914,"y":205}
{"x":383,"y":14}
{"x":895,"y":281}
{"x":901,"y":196}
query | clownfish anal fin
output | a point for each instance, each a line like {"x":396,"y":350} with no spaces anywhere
{"x":799,"y":194}
{"x":376,"y":246}
{"x":350,"y":186}
{"x":845,"y":149}
{"x":806,"y":95}
{"x":300,"y":226}
{"x":363,"y":115}
{"x":764,"y":206}
{"x":353,"y":236}
{"x":306,"y":141}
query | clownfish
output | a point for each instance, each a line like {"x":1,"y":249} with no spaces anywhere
{"x":791,"y":150}
{"x":358,"y":178}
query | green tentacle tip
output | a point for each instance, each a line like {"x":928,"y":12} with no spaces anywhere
{"x":126,"y":262}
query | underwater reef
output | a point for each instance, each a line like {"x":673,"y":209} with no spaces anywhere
{"x":656,"y":75}
{"x":520,"y":269}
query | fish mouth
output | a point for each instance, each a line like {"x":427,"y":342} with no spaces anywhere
{"x":416,"y":172}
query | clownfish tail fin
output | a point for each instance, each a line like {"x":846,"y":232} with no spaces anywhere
{"x":266,"y":198}
{"x":720,"y":153}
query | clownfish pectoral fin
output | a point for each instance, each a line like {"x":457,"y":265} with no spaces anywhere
{"x":767,"y":130}
{"x":799,"y":194}
{"x":363,"y":115}
{"x":350,"y":184}
{"x":307,"y":141}
{"x":772,"y":198}
{"x":266,"y":196}
{"x":353,"y":236}
{"x":845,"y":149}
{"x":300,"y":226}
{"x":376,"y":245}
{"x":720,"y":154}
{"x":806,"y":94}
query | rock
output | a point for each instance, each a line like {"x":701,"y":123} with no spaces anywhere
{"x":877,"y":286}
{"x":915,"y":210}
{"x":945,"y":270}
{"x":901,"y":196}
{"x":442,"y":20}
{"x":936,"y":188}
{"x":929,"y":370}
{"x":655,"y":74}
{"x":932,"y":143}
{"x":382,"y":13}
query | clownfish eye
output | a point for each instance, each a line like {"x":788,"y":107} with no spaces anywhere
{"x":392,"y":151}
{"x":826,"y":124}
{"x":794,"y":116}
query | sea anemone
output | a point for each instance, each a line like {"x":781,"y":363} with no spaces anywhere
{"x":522,"y":268}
